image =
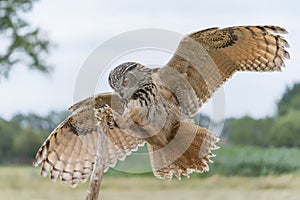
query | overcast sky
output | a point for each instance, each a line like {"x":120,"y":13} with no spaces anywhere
{"x":79,"y":27}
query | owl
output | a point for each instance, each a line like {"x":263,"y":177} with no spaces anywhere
{"x":155,"y":106}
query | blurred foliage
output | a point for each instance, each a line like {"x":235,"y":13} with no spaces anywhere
{"x":282,"y":130}
{"x":290,"y":100}
{"x":286,"y":130}
{"x":255,"y":161}
{"x":23,"y":135}
{"x":20,"y":41}
{"x":244,"y":161}
{"x":249,"y":131}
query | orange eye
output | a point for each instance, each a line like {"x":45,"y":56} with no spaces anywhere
{"x":125,"y":83}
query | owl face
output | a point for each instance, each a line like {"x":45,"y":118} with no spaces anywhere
{"x":128,"y":77}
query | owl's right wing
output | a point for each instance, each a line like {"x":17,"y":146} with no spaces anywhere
{"x":204,"y":60}
{"x":70,"y":151}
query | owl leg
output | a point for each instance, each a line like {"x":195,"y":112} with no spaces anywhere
{"x":105,"y":114}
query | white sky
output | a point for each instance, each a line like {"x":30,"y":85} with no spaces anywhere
{"x":78,"y":27}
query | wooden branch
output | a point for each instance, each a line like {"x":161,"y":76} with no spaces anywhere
{"x":97,"y":175}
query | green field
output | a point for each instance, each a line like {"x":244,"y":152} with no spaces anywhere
{"x":25,"y":183}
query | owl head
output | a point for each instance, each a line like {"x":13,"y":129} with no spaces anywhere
{"x":128,"y":77}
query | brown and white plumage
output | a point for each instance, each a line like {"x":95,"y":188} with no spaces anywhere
{"x":69,"y":153}
{"x":154,"y":106}
{"x":204,"y":60}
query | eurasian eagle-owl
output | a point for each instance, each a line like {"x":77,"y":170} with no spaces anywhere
{"x":155,"y":105}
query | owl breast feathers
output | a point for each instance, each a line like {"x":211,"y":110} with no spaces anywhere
{"x":154,"y":106}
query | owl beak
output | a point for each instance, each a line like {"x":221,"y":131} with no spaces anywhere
{"x":120,"y":92}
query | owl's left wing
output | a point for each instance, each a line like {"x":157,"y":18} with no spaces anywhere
{"x":69,"y":153}
{"x":204,"y":60}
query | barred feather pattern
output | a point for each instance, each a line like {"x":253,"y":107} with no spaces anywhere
{"x":204,"y":60}
{"x":190,"y":155}
{"x":69,"y":153}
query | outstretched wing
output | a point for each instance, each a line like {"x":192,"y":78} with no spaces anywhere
{"x":204,"y":60}
{"x":69,"y":153}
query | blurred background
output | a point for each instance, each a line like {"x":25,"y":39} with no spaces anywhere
{"x":43,"y":44}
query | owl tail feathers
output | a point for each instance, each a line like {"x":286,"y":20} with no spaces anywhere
{"x":184,"y":155}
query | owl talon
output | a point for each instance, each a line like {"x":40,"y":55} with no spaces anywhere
{"x":104,"y":114}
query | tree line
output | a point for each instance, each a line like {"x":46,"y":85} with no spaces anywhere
{"x":21,"y":136}
{"x":281,"y":130}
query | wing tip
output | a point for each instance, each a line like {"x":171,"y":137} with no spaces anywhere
{"x":277,"y":29}
{"x":36,"y":163}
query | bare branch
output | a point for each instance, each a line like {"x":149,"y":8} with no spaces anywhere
{"x":97,"y":175}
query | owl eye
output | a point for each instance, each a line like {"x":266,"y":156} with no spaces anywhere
{"x":125,"y":82}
